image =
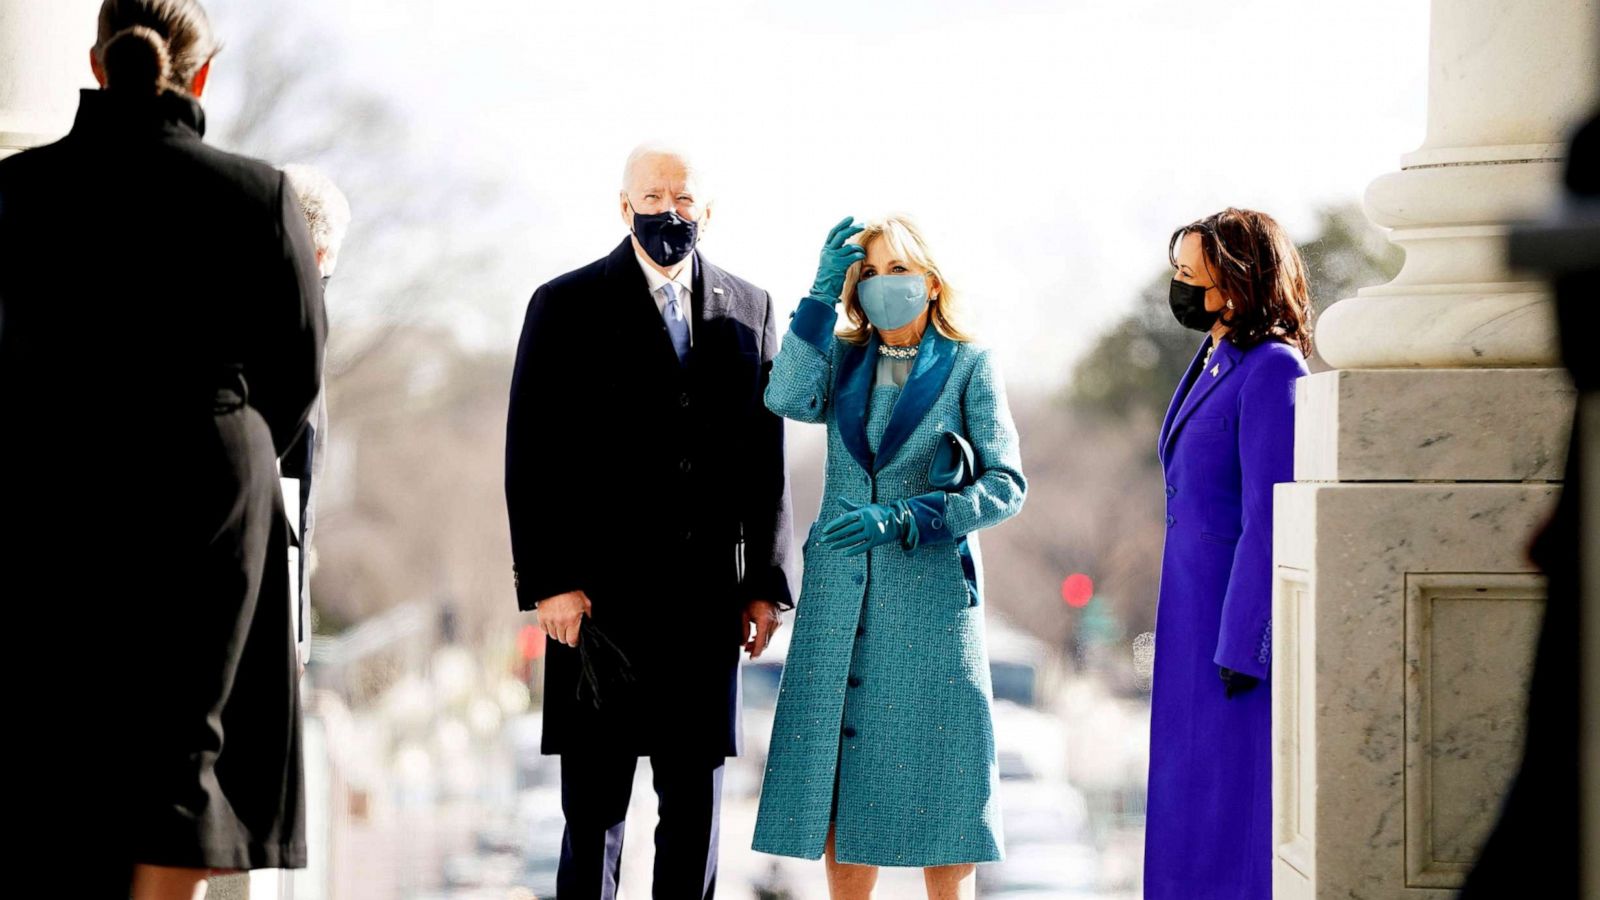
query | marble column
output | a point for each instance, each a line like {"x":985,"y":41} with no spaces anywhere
{"x":1405,"y":608}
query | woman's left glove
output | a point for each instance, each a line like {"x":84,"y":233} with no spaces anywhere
{"x":837,"y":258}
{"x":1236,"y":682}
{"x":866,"y":526}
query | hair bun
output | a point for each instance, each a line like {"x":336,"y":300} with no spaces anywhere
{"x":136,"y":59}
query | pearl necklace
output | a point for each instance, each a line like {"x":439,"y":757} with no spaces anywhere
{"x":897,"y":352}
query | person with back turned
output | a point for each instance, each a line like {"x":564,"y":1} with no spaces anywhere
{"x":161,"y":344}
{"x":649,"y":524}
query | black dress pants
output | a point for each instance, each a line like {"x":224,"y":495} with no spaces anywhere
{"x":594,"y":798}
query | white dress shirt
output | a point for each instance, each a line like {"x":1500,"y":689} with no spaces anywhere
{"x":685,"y":288}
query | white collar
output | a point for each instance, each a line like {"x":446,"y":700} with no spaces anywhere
{"x":684,"y":281}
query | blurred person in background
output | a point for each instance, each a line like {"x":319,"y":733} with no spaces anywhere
{"x":1228,"y":438}
{"x":649,"y":516}
{"x":883,"y":749}
{"x":327,"y":215}
{"x":162,"y":338}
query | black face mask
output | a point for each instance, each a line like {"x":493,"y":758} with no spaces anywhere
{"x":667,"y":238}
{"x":1188,"y":303}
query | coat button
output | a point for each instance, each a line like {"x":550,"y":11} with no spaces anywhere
{"x":813,"y":401}
{"x":1171,"y":521}
{"x":855,"y":682}
{"x":687,"y":534}
{"x":849,"y":732}
{"x":683,"y":465}
{"x":683,"y":399}
{"x":1172,"y":491}
{"x":858,"y":579}
{"x":861,"y":631}
{"x":937,"y":523}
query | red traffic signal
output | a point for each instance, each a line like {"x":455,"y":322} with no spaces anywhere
{"x":1077,"y":590}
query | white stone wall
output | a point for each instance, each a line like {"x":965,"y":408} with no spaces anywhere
{"x":1405,"y":607}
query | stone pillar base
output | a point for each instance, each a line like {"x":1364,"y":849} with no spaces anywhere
{"x":1405,"y":614}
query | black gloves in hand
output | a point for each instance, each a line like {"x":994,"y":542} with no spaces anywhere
{"x":1237,"y":682}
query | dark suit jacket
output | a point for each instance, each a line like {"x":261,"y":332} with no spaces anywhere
{"x":657,"y":488}
{"x":161,"y":329}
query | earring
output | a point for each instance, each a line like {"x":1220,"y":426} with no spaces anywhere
{"x":1230,"y":304}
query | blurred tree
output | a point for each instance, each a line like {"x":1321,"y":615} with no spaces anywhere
{"x":1132,"y":369}
{"x":420,"y":233}
{"x":411,"y":501}
{"x":1348,"y":254}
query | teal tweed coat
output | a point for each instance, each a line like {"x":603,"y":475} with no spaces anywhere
{"x":886,"y":685}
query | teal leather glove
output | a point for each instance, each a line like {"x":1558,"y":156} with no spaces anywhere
{"x":837,"y":258}
{"x":866,"y":526}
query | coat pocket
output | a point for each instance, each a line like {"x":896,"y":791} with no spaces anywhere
{"x":1207,"y":425}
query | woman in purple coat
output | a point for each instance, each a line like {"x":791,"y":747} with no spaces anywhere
{"x":1227,"y":439}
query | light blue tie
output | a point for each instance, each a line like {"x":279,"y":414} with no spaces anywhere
{"x":677,"y":325}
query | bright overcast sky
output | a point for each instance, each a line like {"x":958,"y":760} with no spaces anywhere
{"x":1048,"y":148}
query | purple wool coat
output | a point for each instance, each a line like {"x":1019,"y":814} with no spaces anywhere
{"x":1227,"y":439}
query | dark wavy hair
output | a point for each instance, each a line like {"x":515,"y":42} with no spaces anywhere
{"x":153,"y":46}
{"x":1256,"y":267}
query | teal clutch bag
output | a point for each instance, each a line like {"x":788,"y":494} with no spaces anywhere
{"x":952,"y":467}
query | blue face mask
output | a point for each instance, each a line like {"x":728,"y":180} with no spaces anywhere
{"x":892,"y":301}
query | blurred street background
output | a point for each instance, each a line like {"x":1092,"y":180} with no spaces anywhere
{"x":1048,"y":148}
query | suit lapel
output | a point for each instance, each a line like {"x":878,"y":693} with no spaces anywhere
{"x":936,"y":357}
{"x":1224,"y":360}
{"x":853,"y":388}
{"x":636,"y":309}
{"x":712,"y":309}
{"x":1178,"y":395}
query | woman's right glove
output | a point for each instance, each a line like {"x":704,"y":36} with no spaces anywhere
{"x":865,"y":526}
{"x":837,"y":258}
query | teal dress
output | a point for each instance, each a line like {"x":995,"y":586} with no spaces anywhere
{"x":883,"y":722}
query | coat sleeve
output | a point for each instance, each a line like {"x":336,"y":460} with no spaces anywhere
{"x":767,"y":518}
{"x":1266,"y":458}
{"x":998,"y":491}
{"x":546,"y":557}
{"x":802,"y":374}
{"x":284,"y":372}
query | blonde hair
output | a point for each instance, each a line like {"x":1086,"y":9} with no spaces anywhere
{"x":153,"y":46}
{"x":907,"y":244}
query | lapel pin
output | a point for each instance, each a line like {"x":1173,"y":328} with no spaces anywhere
{"x":716,"y":290}
{"x":1214,"y":370}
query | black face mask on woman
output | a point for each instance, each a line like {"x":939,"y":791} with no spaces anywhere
{"x":667,"y":238}
{"x":1188,"y":303}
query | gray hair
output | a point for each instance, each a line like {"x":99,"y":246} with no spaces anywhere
{"x":326,"y":210}
{"x":651,"y":149}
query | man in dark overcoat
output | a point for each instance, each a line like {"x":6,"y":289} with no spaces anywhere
{"x":650,"y":523}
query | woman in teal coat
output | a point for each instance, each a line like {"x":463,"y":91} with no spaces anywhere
{"x":883,"y":748}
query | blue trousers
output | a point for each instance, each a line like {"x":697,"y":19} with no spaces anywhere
{"x":594,"y":798}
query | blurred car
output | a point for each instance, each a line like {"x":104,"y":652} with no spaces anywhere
{"x":539,"y":818}
{"x":1046,"y":828}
